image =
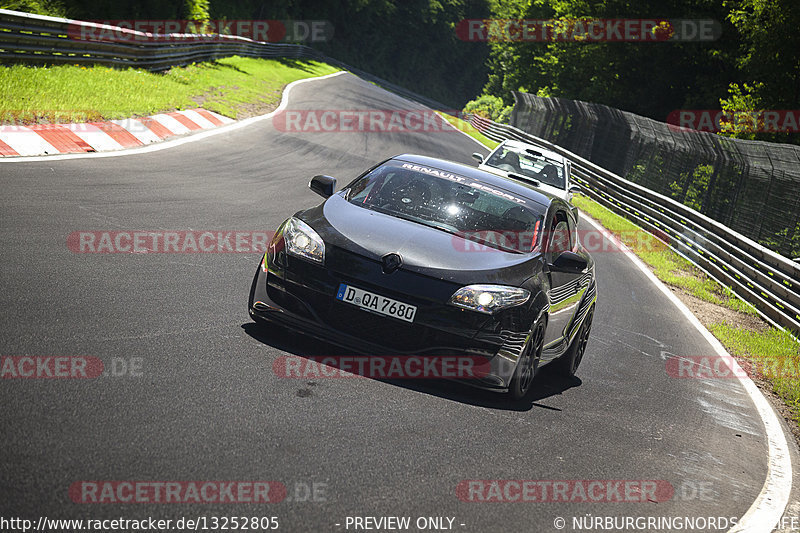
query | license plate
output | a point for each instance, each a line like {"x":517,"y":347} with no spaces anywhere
{"x":376,"y":303}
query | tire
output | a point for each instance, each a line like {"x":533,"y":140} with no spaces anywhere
{"x":528,"y":360}
{"x":569,"y":362}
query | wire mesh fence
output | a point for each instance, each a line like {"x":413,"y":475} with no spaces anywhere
{"x":753,"y":187}
{"x":758,"y":275}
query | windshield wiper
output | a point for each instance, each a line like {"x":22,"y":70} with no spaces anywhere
{"x":526,"y":179}
{"x":466,"y":235}
{"x":416,"y":220}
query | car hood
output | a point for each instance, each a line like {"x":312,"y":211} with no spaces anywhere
{"x":424,"y":250}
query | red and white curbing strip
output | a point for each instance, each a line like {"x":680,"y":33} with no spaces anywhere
{"x":45,"y":139}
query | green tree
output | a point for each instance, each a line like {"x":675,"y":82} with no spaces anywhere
{"x":490,"y":107}
{"x":196,"y":10}
{"x":53,"y":8}
{"x":649,"y":78}
{"x":768,"y":62}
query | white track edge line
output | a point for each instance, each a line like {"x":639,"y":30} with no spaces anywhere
{"x":155,"y":147}
{"x":465,"y":133}
{"x":766,"y":511}
{"x":771,"y":502}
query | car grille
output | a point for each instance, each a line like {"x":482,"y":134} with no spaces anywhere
{"x":385,"y":331}
{"x":395,"y":335}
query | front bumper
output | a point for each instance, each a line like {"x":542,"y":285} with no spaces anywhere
{"x":302,"y":297}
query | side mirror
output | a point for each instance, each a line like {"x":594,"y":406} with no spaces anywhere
{"x":325,"y":186}
{"x":478,"y":157}
{"x":569,"y":262}
{"x":574,"y":189}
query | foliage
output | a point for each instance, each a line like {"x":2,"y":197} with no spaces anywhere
{"x":53,"y":8}
{"x":652,"y":79}
{"x":755,"y":64}
{"x":196,"y":10}
{"x":773,"y":354}
{"x":739,"y":106}
{"x":693,"y":187}
{"x":786,"y":240}
{"x":412,"y":43}
{"x":490,"y":107}
{"x":470,"y":130}
{"x":668,"y":266}
{"x":768,"y":61}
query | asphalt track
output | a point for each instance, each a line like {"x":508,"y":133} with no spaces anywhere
{"x":208,"y":405}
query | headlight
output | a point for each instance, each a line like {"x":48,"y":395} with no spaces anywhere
{"x":302,"y":241}
{"x":489,"y":298}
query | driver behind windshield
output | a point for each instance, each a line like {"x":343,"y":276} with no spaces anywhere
{"x":508,"y":161}
{"x":551,"y":176}
{"x":538,"y":168}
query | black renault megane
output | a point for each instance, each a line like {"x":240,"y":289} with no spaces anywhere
{"x":421,"y":256}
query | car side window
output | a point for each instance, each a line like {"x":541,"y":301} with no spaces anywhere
{"x":573,"y":232}
{"x":561,"y":238}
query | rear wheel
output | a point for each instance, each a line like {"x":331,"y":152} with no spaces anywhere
{"x":526,"y":365}
{"x":569,"y":362}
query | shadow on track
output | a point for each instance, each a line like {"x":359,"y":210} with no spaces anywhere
{"x":301,"y":64}
{"x":545,"y":385}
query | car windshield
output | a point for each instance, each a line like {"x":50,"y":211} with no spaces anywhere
{"x":449,"y":202}
{"x":529,"y":163}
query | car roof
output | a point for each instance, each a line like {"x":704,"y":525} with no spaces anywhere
{"x":522,"y":189}
{"x":524,"y":146}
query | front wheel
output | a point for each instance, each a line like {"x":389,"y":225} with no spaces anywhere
{"x":526,"y":365}
{"x":568,"y":364}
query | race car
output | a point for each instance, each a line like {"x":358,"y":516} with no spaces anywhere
{"x":547,"y":170}
{"x":429,"y":257}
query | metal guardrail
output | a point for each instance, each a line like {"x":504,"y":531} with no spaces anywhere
{"x":761,"y":277}
{"x":37,"y":39}
{"x":768,"y":281}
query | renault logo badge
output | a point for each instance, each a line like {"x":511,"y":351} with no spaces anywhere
{"x":390,"y":263}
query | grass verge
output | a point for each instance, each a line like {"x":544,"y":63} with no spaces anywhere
{"x":237,"y":87}
{"x":470,"y":130}
{"x":770,"y":355}
{"x":668,"y":266}
{"x":773,"y":354}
